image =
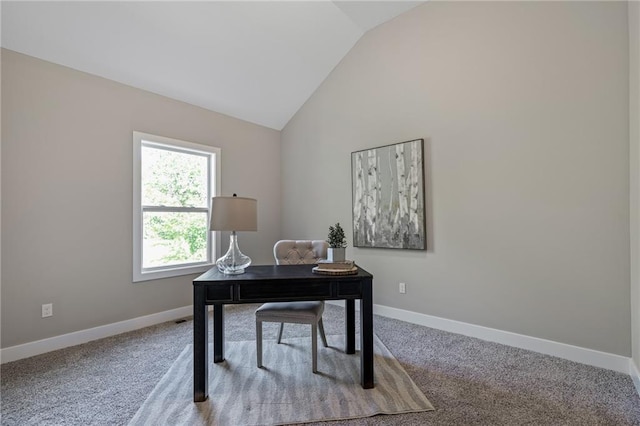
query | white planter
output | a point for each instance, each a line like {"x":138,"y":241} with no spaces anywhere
{"x":336,"y":254}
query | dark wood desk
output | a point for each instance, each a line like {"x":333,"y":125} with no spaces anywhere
{"x":280,"y":284}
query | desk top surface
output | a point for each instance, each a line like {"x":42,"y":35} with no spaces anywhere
{"x":276,"y":272}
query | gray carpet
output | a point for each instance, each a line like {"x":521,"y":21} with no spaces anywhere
{"x":284,"y":391}
{"x":469,"y":381}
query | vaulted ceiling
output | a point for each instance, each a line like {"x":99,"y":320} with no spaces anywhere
{"x":258,"y":61}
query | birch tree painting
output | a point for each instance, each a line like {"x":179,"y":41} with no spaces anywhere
{"x":388,"y":196}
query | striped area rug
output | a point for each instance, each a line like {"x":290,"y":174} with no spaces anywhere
{"x":284,"y":391}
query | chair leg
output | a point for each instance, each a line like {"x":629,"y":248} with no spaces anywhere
{"x":259,"y":343}
{"x":314,"y":347}
{"x":280,"y":332}
{"x":322,"y":336}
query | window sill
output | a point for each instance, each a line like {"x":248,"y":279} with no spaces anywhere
{"x":169,"y":272}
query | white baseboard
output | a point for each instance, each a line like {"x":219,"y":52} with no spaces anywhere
{"x":635,"y":374}
{"x":561,"y":350}
{"x":573,"y":353}
{"x":38,"y":347}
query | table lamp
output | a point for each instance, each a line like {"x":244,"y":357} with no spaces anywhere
{"x":233,"y":214}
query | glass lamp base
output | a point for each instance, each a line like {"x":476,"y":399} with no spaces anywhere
{"x":234,"y":261}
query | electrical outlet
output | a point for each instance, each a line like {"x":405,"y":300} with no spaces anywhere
{"x":47,"y":310}
{"x":402,"y":288}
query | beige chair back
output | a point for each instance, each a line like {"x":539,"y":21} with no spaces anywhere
{"x":293,"y":252}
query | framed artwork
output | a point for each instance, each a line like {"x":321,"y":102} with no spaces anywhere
{"x":388,"y":196}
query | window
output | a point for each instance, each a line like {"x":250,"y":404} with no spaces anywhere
{"x":173,"y":182}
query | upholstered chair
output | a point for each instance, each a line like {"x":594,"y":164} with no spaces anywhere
{"x":293,"y":252}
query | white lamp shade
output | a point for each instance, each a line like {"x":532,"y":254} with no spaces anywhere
{"x":234,"y":214}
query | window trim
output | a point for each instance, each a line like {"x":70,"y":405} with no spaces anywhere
{"x":144,"y":139}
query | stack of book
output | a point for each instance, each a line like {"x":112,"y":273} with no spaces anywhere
{"x":345,"y":267}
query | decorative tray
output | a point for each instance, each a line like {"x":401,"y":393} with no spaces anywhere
{"x":333,"y":271}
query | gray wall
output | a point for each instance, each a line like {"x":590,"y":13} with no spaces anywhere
{"x":634,"y":138}
{"x":67,"y":195}
{"x":524,"y":108}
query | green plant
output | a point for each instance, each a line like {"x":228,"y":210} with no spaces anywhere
{"x":336,"y":238}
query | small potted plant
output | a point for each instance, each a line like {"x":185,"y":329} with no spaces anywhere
{"x":337,"y":244}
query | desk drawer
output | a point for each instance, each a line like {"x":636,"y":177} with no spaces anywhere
{"x":349,"y":288}
{"x":277,"y":289}
{"x":220,"y":292}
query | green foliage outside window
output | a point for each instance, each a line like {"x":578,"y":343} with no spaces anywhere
{"x":174,"y":179}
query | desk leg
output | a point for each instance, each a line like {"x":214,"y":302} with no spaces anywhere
{"x":218,"y":332}
{"x":350,"y":326}
{"x":200,"y":345}
{"x":366,"y":336}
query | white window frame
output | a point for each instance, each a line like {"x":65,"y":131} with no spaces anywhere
{"x":144,"y":139}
